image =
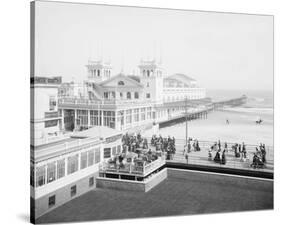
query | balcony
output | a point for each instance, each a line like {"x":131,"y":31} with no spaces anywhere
{"x":87,"y":103}
{"x":140,"y":168}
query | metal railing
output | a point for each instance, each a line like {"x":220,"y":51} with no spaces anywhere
{"x":202,"y":157}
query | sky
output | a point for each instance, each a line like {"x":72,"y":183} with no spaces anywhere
{"x":219,"y":50}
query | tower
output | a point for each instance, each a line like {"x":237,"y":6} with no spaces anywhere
{"x":98,"y":71}
{"x":152,"y":79}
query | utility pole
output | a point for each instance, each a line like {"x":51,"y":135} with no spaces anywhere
{"x":186,"y":126}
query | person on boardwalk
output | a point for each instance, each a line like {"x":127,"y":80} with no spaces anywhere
{"x":189,"y":147}
{"x":186,"y":157}
{"x":225,"y":147}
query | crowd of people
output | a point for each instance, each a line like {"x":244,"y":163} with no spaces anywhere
{"x":168,"y":145}
{"x":240,"y":151}
{"x":164,"y":144}
{"x":259,"y":158}
{"x":220,"y":151}
{"x":133,"y":142}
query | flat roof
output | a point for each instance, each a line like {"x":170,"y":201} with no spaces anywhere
{"x":98,"y":131}
{"x":71,"y":142}
{"x":183,"y":193}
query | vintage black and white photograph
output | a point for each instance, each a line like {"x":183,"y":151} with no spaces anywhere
{"x":144,"y":112}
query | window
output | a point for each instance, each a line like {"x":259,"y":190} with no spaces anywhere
{"x":91,"y":181}
{"x":128,"y":95}
{"x":136,"y":95}
{"x":97,"y":155}
{"x":51,"y":172}
{"x":121,"y":95}
{"x":143,"y":114}
{"x":149,"y":113}
{"x":148,"y":73}
{"x":90,"y":158}
{"x":121,"y":82}
{"x":60,"y":168}
{"x":51,"y":123}
{"x":119,"y":149}
{"x":83,"y":160}
{"x":82,"y":116}
{"x":40,"y":176}
{"x":52,"y":200}
{"x":129,"y":116}
{"x":147,"y":95}
{"x":52,"y":103}
{"x":109,"y":119}
{"x":136,"y":115}
{"x":98,"y":72}
{"x":72,"y":164}
{"x":114,"y":151}
{"x":107,"y":153}
{"x":95,"y":120}
{"x":73,"y":191}
{"x":105,"y":95}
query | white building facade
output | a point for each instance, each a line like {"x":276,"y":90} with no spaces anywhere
{"x":125,"y":102}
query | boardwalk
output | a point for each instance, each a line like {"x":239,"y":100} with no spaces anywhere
{"x":201,"y":157}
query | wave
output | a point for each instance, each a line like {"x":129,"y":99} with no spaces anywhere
{"x":257,"y":110}
{"x":256,"y":99}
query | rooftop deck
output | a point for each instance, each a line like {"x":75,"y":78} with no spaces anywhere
{"x":183,"y":193}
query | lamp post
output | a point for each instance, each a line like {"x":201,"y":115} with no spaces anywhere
{"x":186,"y":125}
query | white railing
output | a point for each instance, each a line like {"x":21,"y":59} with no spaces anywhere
{"x":133,"y":169}
{"x":65,"y":147}
{"x":88,"y":102}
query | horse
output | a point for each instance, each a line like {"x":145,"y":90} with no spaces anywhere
{"x":259,"y":121}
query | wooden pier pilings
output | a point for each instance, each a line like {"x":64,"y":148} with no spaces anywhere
{"x":203,"y":114}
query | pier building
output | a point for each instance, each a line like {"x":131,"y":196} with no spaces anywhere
{"x":126,"y":102}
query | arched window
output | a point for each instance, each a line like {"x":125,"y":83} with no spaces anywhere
{"x":121,"y":82}
{"x":136,"y":95}
{"x":128,"y":95}
{"x":148,"y":73}
{"x":98,"y":73}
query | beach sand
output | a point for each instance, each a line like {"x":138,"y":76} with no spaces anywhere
{"x":242,"y":127}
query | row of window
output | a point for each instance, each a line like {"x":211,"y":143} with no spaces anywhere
{"x":109,"y":95}
{"x":147,"y":73}
{"x":57,"y":170}
{"x":73,"y":192}
{"x":97,"y":72}
{"x":107,"y":153}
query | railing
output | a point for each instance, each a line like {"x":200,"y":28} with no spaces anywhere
{"x":88,"y":102}
{"x":132,"y":169}
{"x":65,"y":146}
{"x":154,"y":165}
{"x":202,"y":157}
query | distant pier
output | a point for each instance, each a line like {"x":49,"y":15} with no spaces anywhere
{"x":201,"y":113}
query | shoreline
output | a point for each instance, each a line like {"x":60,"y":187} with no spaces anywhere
{"x":242,"y":128}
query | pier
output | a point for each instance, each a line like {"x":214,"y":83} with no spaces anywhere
{"x":203,"y":107}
